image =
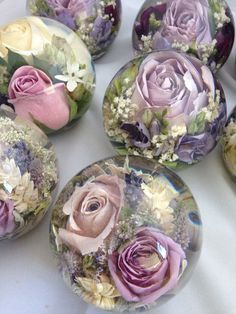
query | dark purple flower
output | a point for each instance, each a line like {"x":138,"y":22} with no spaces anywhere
{"x":114,"y":12}
{"x":101,"y":30}
{"x":138,"y":133}
{"x":143,"y":27}
{"x":133,"y":179}
{"x":225,"y":40}
{"x":36,"y":171}
{"x":22,"y":156}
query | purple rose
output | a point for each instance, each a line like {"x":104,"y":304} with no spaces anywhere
{"x":184,"y":21}
{"x":175,"y":82}
{"x":7,"y":222}
{"x":71,"y":7}
{"x":148,"y":267}
{"x":101,"y":30}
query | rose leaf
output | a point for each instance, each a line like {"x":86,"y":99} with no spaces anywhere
{"x":15,"y":61}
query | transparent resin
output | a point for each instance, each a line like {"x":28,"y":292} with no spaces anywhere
{"x":204,"y":28}
{"x":165,"y":106}
{"x":127,"y":234}
{"x":46,"y":72}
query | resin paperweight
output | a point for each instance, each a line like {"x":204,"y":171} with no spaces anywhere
{"x":97,"y":22}
{"x":229,"y":144}
{"x":204,"y":28}
{"x":166,"y":106}
{"x":28,"y":175}
{"x":127,"y":234}
{"x":46,"y":72}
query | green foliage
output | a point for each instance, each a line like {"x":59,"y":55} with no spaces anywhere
{"x":46,"y":67}
{"x":153,"y":22}
{"x":198,"y":125}
{"x":79,"y":98}
{"x":43,"y":7}
{"x":160,"y":116}
{"x":15,"y":61}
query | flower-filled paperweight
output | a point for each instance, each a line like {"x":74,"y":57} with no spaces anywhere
{"x":166,"y":106}
{"x":46,"y":72}
{"x":28,"y":175}
{"x":204,"y":28}
{"x":97,"y":22}
{"x":127,"y":234}
{"x":229,"y":144}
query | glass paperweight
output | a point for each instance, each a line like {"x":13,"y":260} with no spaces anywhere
{"x":204,"y":28}
{"x":166,"y":106}
{"x":46,"y":72}
{"x":127,"y":234}
{"x":97,"y":22}
{"x":229,"y":144}
{"x":28,"y":175}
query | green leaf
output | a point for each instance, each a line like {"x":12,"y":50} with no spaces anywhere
{"x":147,"y":117}
{"x":169,"y":164}
{"x":47,"y":68}
{"x":118,"y":86}
{"x":81,"y":97}
{"x":73,"y":107}
{"x":15,"y":61}
{"x":121,"y":151}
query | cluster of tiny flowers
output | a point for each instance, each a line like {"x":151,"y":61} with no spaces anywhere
{"x":180,"y":46}
{"x":181,"y":233}
{"x":146,"y":43}
{"x":206,"y":50}
{"x":211,"y":111}
{"x":221,"y":18}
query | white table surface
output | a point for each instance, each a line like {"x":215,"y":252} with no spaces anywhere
{"x":29,"y":280}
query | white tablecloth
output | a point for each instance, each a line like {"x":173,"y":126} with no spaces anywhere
{"x":29,"y":279}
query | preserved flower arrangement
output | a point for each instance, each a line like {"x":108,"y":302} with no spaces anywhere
{"x":166,"y":106}
{"x":204,"y":28}
{"x":46,"y":72}
{"x":97,"y":22}
{"x":28,"y":175}
{"x":126,"y":233}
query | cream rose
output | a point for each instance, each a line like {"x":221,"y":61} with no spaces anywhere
{"x":93,"y":211}
{"x":15,"y":36}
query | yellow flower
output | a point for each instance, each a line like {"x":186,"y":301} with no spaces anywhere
{"x":15,"y":36}
{"x":100,"y":294}
{"x":160,"y":193}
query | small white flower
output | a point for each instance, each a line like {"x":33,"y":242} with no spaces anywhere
{"x":73,"y":76}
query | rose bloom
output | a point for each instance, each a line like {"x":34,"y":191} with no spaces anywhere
{"x":176,"y":82}
{"x":35,"y":97}
{"x":93,"y":211}
{"x":184,"y":21}
{"x":7,"y":222}
{"x":148,"y":267}
{"x":15,"y":36}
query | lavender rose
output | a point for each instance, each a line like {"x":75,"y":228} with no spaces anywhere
{"x":93,"y":211}
{"x":34,"y":96}
{"x":184,"y":21}
{"x":7,"y":222}
{"x":148,"y":267}
{"x":175,"y":82}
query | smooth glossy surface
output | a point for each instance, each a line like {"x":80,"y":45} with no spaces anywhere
{"x":28,"y":175}
{"x":97,"y":22}
{"x":126,"y":233}
{"x":229,"y":144}
{"x":46,"y":72}
{"x":204,"y":28}
{"x":166,"y":106}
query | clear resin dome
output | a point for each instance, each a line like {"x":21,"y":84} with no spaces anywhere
{"x":166,"y":106}
{"x":46,"y":72}
{"x":126,"y":233}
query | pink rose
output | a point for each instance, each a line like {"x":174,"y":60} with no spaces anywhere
{"x":173,"y":81}
{"x":7,"y":222}
{"x":93,"y":211}
{"x":186,"y":22}
{"x":34,"y":96}
{"x":148,"y":267}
